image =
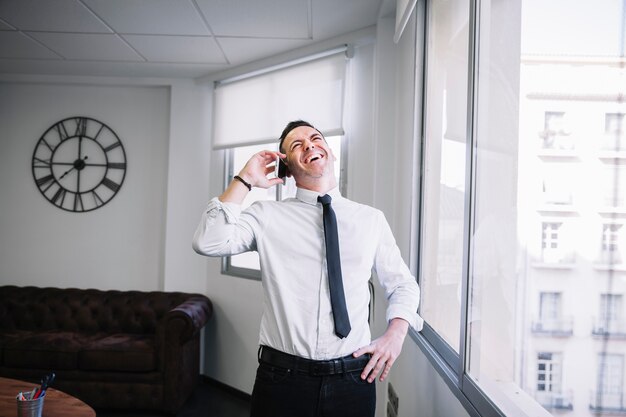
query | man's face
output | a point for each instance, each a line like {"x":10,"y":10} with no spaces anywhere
{"x":308,"y":154}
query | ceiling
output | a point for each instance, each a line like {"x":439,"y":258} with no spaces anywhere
{"x":165,"y":38}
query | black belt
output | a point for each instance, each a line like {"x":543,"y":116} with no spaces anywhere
{"x":316,"y":368}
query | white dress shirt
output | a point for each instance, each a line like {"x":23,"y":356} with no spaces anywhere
{"x":289,"y":237}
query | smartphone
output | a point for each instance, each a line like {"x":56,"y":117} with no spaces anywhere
{"x":281,"y":168}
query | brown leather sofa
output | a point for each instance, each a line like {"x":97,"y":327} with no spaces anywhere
{"x":112,"y":349}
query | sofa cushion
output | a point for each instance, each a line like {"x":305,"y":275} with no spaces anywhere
{"x":43,"y":350}
{"x":119,"y":352}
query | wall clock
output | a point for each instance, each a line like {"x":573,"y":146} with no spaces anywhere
{"x":79,"y":164}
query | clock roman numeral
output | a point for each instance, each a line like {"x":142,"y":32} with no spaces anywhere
{"x":60,"y":194}
{"x":97,"y":200}
{"x":43,"y":163}
{"x":78,"y":201}
{"x":81,"y":126}
{"x":98,"y":134}
{"x":62,"y":131}
{"x":112,"y":185}
{"x":44,"y":180}
{"x":47,"y":144}
{"x":116,"y":165}
{"x":112,"y":146}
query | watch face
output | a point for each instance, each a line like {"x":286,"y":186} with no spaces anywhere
{"x":79,"y":164}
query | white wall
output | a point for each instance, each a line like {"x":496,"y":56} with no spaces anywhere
{"x":121,"y":245}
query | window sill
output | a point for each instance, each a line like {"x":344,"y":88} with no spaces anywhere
{"x":609,"y":267}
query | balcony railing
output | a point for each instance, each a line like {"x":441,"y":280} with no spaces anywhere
{"x":555,"y":400}
{"x":604,"y":402}
{"x":561,"y":327}
{"x":613,"y":143}
{"x":556,"y":140}
{"x":612,"y":328}
{"x":557,"y":257}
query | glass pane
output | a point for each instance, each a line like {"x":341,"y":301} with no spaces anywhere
{"x":546,"y":271}
{"x":444,"y":163}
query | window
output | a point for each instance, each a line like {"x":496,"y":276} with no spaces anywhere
{"x":610,"y":383}
{"x":611,"y":236}
{"x":444,"y":162}
{"x":262,"y":101}
{"x":553,"y":245}
{"x":550,"y":307}
{"x":504,"y":213}
{"x":614,"y":139}
{"x":558,"y":184}
{"x":610,"y":321}
{"x":247,"y":264}
{"x":612,"y":186}
{"x":554,"y":134}
{"x":550,"y":393}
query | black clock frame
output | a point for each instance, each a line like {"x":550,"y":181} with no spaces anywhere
{"x":50,"y":184}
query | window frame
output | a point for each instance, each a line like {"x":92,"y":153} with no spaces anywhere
{"x":450,"y":365}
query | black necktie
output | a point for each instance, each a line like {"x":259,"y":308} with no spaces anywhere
{"x":333,"y":261}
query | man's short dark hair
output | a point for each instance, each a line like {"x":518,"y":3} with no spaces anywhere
{"x":291,"y":126}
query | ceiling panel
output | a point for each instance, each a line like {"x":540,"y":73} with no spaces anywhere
{"x":352,"y":15}
{"x":150,"y":17}
{"x":53,"y":16}
{"x":260,"y":19}
{"x":243,"y":50}
{"x":18,"y":45}
{"x":84,"y":46}
{"x":177,"y":48}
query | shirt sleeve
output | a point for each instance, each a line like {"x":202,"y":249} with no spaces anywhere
{"x":401,"y":289}
{"x":223,"y":230}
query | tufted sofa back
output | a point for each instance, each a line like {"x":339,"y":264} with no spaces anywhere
{"x":84,"y":310}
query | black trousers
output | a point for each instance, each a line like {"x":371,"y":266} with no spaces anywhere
{"x":283,"y":392}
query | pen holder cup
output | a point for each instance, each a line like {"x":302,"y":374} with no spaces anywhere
{"x":30,"y":408}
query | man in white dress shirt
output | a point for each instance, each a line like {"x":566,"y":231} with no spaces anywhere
{"x":307,"y":367}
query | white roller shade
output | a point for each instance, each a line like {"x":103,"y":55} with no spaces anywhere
{"x":256,"y":109}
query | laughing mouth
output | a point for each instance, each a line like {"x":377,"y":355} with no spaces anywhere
{"x":313,"y":158}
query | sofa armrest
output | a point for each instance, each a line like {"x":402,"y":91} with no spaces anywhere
{"x":188,"y":318}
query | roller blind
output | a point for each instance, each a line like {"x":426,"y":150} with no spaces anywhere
{"x":256,"y":109}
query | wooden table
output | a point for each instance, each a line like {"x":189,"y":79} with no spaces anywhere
{"x":56,"y":404}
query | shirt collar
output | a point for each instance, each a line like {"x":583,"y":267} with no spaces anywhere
{"x":310,"y":197}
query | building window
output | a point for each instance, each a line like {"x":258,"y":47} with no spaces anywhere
{"x":610,"y":319}
{"x":554,"y":134}
{"x":610,"y":251}
{"x":610,"y":237}
{"x":550,"y":251}
{"x":558,"y":184}
{"x":610,"y":382}
{"x":612,"y":185}
{"x":614,"y":139}
{"x":247,"y":264}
